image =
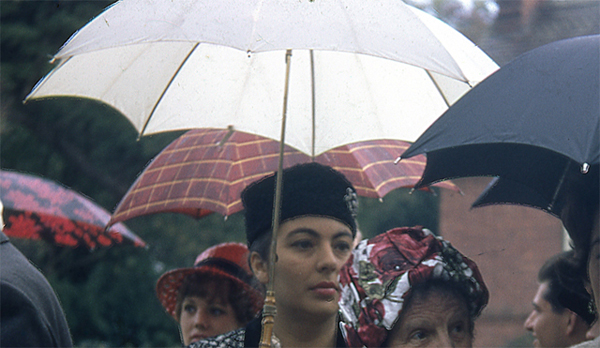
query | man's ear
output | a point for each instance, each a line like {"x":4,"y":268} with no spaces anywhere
{"x":259,"y":267}
{"x":574,"y":324}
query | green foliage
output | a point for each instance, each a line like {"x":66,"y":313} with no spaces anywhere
{"x":401,"y":207}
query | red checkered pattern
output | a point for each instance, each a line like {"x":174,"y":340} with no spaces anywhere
{"x":205,"y":170}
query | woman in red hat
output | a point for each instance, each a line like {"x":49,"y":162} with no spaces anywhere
{"x":217,"y":295}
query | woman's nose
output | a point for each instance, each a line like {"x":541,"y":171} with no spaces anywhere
{"x":444,"y":341}
{"x":328,"y":261}
{"x":201,"y":319}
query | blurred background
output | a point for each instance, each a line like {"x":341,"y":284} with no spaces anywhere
{"x":108,"y":294}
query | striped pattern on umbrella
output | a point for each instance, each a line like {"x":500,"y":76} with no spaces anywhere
{"x":205,"y":171}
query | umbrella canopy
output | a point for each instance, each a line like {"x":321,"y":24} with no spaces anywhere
{"x":534,"y":123}
{"x":37,"y":208}
{"x":205,"y":171}
{"x":181,"y":65}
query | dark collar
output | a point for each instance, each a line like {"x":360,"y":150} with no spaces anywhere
{"x":3,"y":238}
{"x":254,"y":329}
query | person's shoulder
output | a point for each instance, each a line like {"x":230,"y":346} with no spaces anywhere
{"x":231,"y":339}
{"x":595,"y":343}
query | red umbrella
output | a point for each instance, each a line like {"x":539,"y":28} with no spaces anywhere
{"x":37,"y":208}
{"x":205,"y":170}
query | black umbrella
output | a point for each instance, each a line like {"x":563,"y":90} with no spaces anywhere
{"x":534,"y":123}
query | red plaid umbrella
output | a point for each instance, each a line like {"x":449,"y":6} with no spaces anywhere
{"x":205,"y":170}
{"x":37,"y":208}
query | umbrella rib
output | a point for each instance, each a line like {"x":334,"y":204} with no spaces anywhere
{"x":438,"y":88}
{"x":166,"y":88}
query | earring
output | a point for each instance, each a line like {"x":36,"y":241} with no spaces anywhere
{"x":591,"y":308}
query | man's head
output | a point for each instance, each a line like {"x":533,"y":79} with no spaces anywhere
{"x":559,"y":317}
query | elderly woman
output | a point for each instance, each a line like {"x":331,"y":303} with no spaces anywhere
{"x":217,"y":295}
{"x":314,"y":240}
{"x":409,"y":288}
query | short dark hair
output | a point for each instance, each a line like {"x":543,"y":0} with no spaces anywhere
{"x":566,"y":285}
{"x":225,"y":290}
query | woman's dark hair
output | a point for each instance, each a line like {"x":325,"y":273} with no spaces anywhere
{"x":225,"y":290}
{"x":261,"y":245}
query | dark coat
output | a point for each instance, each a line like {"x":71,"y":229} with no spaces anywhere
{"x":30,"y":313}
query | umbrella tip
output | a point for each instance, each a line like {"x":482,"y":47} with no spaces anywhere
{"x":397,"y":160}
{"x":585,"y":168}
{"x":228,"y":135}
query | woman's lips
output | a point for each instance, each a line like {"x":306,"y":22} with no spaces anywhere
{"x":197,"y":338}
{"x":325,"y":289}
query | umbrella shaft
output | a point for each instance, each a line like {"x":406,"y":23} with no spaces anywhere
{"x":269,"y":306}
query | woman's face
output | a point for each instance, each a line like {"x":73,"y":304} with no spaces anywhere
{"x":311,"y":250}
{"x":203,"y":317}
{"x":435,"y":319}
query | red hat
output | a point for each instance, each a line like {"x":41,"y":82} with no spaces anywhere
{"x":229,"y":260}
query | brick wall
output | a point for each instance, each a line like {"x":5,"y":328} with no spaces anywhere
{"x":509,"y":244}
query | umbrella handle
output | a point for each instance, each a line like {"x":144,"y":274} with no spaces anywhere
{"x":269,"y":311}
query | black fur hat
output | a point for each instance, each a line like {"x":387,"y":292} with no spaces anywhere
{"x":308,"y":189}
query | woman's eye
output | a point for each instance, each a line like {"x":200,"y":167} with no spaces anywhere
{"x":188,"y":308}
{"x":303,"y":244}
{"x":343,"y":246}
{"x":457,"y":329}
{"x":418,"y":335}
{"x":214,"y":311}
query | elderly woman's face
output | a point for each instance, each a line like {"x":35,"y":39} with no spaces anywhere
{"x":435,"y":319}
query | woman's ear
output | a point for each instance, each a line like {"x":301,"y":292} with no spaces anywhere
{"x":259,"y":267}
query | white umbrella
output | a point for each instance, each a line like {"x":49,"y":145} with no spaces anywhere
{"x":191,"y":64}
{"x":361,"y":70}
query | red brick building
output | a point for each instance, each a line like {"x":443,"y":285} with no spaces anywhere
{"x":509,"y":244}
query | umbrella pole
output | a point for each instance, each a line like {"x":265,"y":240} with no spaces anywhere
{"x":269,"y":308}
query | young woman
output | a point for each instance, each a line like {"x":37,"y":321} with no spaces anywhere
{"x":217,"y":295}
{"x":314,"y":240}
{"x":408,"y":288}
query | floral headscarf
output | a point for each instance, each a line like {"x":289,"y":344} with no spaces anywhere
{"x":381,"y":272}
